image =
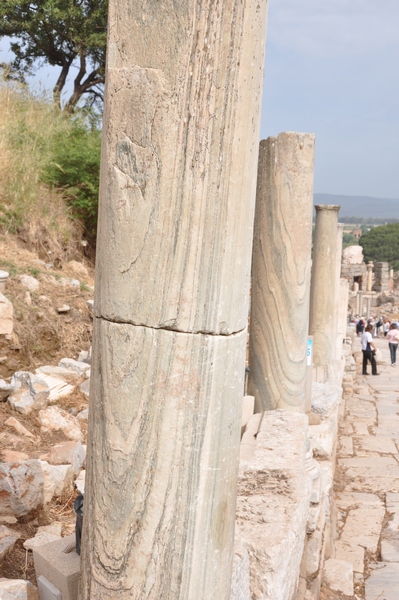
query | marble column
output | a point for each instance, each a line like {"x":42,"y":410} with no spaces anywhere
{"x":177,"y":197}
{"x":342,"y":315}
{"x":281,"y":266}
{"x":368,"y":307}
{"x":361,"y":304}
{"x":369,"y":285}
{"x":324,"y":293}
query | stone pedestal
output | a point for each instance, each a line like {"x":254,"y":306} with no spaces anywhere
{"x":177,"y":195}
{"x":324,"y":294}
{"x":381,"y":277}
{"x":281,"y":272}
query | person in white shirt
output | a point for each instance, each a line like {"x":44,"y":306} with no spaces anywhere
{"x":368,"y":349}
{"x":393,"y":339}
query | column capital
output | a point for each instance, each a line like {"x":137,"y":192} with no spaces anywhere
{"x":332,"y":207}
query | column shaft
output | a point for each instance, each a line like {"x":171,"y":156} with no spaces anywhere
{"x":324,"y":293}
{"x":179,"y":158}
{"x":281,"y":272}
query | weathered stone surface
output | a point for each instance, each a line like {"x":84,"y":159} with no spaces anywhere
{"x":345,"y":446}
{"x":240,"y":587}
{"x":323,"y":437}
{"x":338,"y":575}
{"x":29,"y":282}
{"x":57,"y":419}
{"x":6,"y":316}
{"x":60,"y":373}
{"x":326,"y":397}
{"x":57,"y":479}
{"x":13,"y":456}
{"x":281,"y":263}
{"x":371,"y":443}
{"x":44,"y":535}
{"x":156,"y":400}
{"x":58,"y":388}
{"x":68,"y":453}
{"x":8,"y":537}
{"x":313,"y":551}
{"x":350,"y":553}
{"x":352,"y":255}
{"x":83,"y":415}
{"x":81,"y":368}
{"x":80,"y":482}
{"x":390,"y":545}
{"x":29,"y":393}
{"x":363,"y":527}
{"x":323,"y":292}
{"x":17,"y":589}
{"x":15,"y":424}
{"x":85,"y":387}
{"x":248,"y":404}
{"x":21,"y":487}
{"x":273,"y":498}
{"x":383,"y":583}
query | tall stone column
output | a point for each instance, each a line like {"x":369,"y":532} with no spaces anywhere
{"x":281,"y":266}
{"x":324,"y":292}
{"x":370,"y":266}
{"x":342,"y":315}
{"x":361,"y":304}
{"x":179,"y":158}
{"x":368,"y":307}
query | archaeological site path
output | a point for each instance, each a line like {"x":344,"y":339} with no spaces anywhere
{"x":367,"y":482}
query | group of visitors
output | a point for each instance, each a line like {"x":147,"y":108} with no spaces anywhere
{"x":370,"y":328}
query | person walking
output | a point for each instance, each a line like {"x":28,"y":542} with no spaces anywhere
{"x":368,"y":349}
{"x":393,"y":339}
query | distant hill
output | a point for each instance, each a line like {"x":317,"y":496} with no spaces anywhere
{"x":362,"y":206}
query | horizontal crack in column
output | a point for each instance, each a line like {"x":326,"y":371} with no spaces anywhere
{"x":209,"y":333}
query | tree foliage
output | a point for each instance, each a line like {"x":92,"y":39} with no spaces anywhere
{"x":381,"y":244}
{"x":60,"y":33}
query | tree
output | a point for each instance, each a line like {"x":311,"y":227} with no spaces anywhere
{"x":59,"y":32}
{"x":381,"y":244}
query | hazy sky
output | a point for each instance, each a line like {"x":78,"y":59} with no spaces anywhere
{"x":332,"y":68}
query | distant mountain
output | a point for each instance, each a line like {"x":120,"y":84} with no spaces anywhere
{"x":362,"y":206}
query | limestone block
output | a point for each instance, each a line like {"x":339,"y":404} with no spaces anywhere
{"x":240,"y":588}
{"x":81,"y":368}
{"x":83,"y":415}
{"x":248,"y":440}
{"x":59,"y":373}
{"x":57,"y":479}
{"x":68,"y":453}
{"x":313,"y":552}
{"x":390,"y":545}
{"x":6,"y":316}
{"x":338,"y":576}
{"x":17,"y":589}
{"x":80,"y":482}
{"x":383,"y":582}
{"x":59,"y":568}
{"x":325,"y":398}
{"x":29,"y":393}
{"x":41,"y":538}
{"x":345,"y":446}
{"x":323,"y":437}
{"x":21,"y":487}
{"x":351,"y":553}
{"x":57,"y":419}
{"x":29,"y":282}
{"x":85,"y":387}
{"x":281,"y":264}
{"x":363,"y":527}
{"x":8,"y":537}
{"x":370,"y":443}
{"x":12,"y":456}
{"x":274,"y":491}
{"x":13,"y":422}
{"x":248,"y":404}
{"x":58,"y":388}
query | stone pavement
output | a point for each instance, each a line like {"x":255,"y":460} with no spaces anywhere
{"x":367,"y":482}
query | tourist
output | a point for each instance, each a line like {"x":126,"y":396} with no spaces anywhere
{"x":360,"y":326}
{"x":393,"y":339}
{"x":387,"y":324}
{"x":368,"y":349}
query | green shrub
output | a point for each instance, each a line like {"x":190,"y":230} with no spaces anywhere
{"x":381,"y":244}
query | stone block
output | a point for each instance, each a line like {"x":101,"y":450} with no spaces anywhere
{"x":363,"y":527}
{"x":338,"y":576}
{"x":8,"y":537}
{"x":29,"y":282}
{"x":12,"y":422}
{"x":383,"y":583}
{"x":29,"y":393}
{"x":21,"y":487}
{"x":313,"y":552}
{"x":59,"y":568}
{"x":240,"y":588}
{"x":57,"y":479}
{"x":59,"y":388}
{"x":65,"y":453}
{"x":85,"y":387}
{"x":17,"y":589}
{"x":323,"y":437}
{"x":351,"y":553}
{"x":81,"y":368}
{"x":248,"y":404}
{"x":6,"y":316}
{"x":59,"y":373}
{"x":56,"y":419}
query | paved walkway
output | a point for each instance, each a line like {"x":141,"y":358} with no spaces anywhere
{"x":367,"y":482}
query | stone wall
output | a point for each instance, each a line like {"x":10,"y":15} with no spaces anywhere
{"x":285,"y":521}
